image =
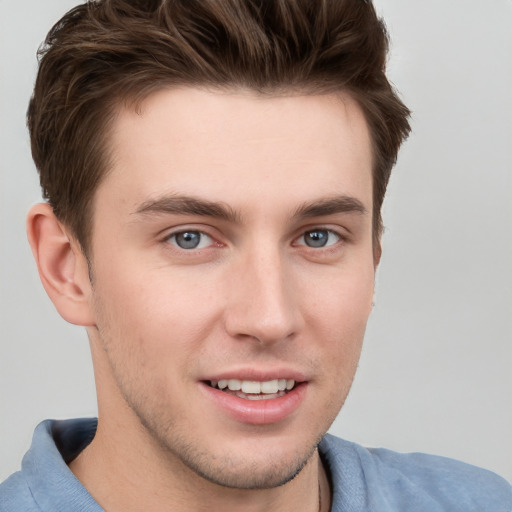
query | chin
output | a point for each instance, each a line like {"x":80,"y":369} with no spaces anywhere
{"x":267,"y":471}
{"x":248,"y":464}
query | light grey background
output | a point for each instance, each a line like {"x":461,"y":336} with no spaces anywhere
{"x":435,"y":374}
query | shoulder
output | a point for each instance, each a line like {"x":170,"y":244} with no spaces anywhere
{"x":15,"y":495}
{"x":412,"y":481}
{"x":45,"y":482}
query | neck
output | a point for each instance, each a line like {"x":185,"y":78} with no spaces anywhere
{"x":132,"y":479}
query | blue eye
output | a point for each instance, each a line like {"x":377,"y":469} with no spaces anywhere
{"x":318,"y":238}
{"x":189,"y":240}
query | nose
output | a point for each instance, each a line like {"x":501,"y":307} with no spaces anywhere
{"x":262,"y":305}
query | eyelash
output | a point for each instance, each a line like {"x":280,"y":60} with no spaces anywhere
{"x":329,"y":232}
{"x":172,"y":239}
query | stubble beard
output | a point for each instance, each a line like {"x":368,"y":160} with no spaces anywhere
{"x":226,"y":471}
{"x":184,"y":454}
{"x":229,"y":470}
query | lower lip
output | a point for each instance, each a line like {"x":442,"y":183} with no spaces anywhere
{"x":257,"y":412}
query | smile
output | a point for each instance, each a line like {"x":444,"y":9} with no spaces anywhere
{"x":256,"y":402}
{"x":254,"y":390}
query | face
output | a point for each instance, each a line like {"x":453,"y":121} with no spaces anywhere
{"x":233,"y":277}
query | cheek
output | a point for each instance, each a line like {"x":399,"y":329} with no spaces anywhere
{"x":343,"y":297}
{"x":156,"y":314}
{"x":336,"y":317}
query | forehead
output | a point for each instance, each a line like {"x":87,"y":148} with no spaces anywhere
{"x":237,"y":145}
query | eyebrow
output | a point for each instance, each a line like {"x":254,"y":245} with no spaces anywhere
{"x":330,"y":206}
{"x":187,"y":205}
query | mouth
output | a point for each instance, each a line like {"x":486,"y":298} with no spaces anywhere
{"x":256,"y":402}
{"x":254,"y":390}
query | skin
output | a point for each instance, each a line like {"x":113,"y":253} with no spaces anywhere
{"x":254,"y":297}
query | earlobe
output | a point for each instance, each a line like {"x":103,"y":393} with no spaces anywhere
{"x":61,"y":264}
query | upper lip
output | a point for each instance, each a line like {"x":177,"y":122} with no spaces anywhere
{"x":258,"y":375}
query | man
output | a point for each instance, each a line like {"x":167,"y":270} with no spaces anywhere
{"x":215,"y":173}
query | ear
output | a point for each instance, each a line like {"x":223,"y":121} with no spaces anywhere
{"x":377,"y":253}
{"x":61,"y":264}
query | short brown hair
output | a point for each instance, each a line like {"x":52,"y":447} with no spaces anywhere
{"x":105,"y":52}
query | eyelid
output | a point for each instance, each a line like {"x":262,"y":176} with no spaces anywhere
{"x":209,"y":240}
{"x":169,"y":233}
{"x":215,"y":239}
{"x":171,"y":230}
{"x":340,"y":235}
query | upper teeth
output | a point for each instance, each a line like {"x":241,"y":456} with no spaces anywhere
{"x":253,"y":386}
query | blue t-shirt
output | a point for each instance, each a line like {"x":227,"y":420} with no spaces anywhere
{"x":363,"y":480}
